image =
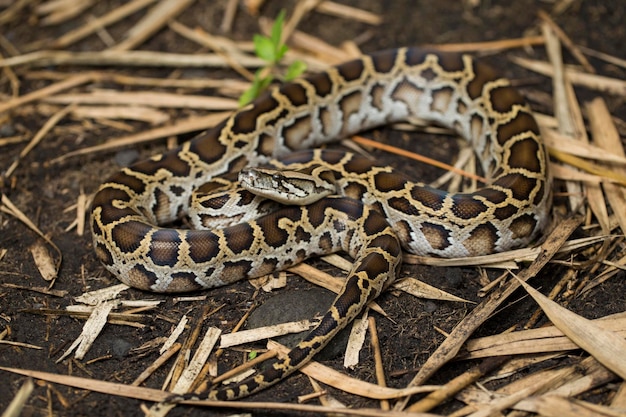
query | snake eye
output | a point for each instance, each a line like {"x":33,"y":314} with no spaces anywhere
{"x":277,"y":177}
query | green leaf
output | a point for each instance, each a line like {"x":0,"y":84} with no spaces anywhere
{"x":247,"y":96}
{"x":277,"y":29}
{"x":295,"y":70}
{"x":264,"y":83}
{"x":264,"y":48}
{"x":252,"y":355}
{"x":256,"y":88}
{"x":280,"y":52}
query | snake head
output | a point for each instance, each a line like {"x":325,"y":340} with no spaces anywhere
{"x":288,"y":186}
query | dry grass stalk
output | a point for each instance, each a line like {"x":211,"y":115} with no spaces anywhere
{"x":12,"y":140}
{"x":19,"y":400}
{"x":47,"y":91}
{"x":159,"y":362}
{"x":573,"y":48}
{"x":20,"y":344}
{"x":229,"y":16}
{"x":566,"y":144}
{"x":491,"y":46}
{"x":124,"y":390}
{"x":59,"y":11}
{"x":567,"y":407}
{"x":82,"y":205}
{"x":229,"y":50}
{"x":563,"y":112}
{"x":605,"y":57}
{"x":324,"y":397}
{"x":262,"y":333}
{"x":38,"y":137}
{"x":229,"y":86}
{"x":192,"y":124}
{"x":457,"y":384}
{"x":351,"y":385}
{"x":348,"y":12}
{"x":605,"y":135}
{"x":184,"y":353}
{"x":368,"y":142}
{"x":619,"y":400}
{"x":138,"y":58}
{"x":13,"y":10}
{"x":591,"y":81}
{"x":97,"y":24}
{"x":541,"y":340}
{"x":112,"y":113}
{"x":154,"y":20}
{"x":41,"y":290}
{"x":118,"y":319}
{"x":147,"y":99}
{"x":173,"y":337}
{"x":378,"y":360}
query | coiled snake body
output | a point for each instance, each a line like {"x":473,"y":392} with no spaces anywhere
{"x":389,"y":86}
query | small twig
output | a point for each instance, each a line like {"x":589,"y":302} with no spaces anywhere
{"x":47,"y":91}
{"x":92,"y":26}
{"x":491,"y":45}
{"x":155,"y":19}
{"x":576,"y":52}
{"x":398,"y":151}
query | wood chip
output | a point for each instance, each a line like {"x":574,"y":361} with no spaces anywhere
{"x":44,"y":261}
{"x":91,"y":329}
{"x":356,"y":341}
{"x":96,"y":297}
{"x":173,"y":337}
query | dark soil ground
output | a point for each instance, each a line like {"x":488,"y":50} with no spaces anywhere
{"x":45,"y":191}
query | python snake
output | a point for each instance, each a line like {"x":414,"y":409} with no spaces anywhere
{"x":378,"y":212}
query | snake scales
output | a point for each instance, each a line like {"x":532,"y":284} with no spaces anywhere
{"x":378,"y":212}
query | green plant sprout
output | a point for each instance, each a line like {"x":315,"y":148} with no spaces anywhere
{"x":272,"y":50}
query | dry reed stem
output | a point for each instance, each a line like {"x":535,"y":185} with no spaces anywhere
{"x":573,"y":48}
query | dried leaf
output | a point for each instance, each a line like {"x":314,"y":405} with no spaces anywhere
{"x":607,"y":347}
